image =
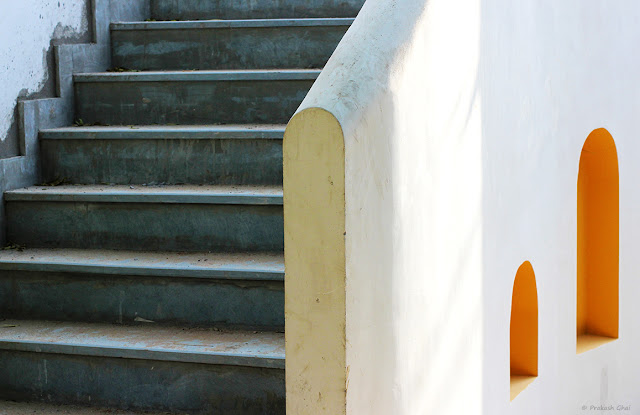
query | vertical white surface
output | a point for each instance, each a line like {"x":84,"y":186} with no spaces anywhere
{"x":552,"y":72}
{"x":403,"y":85}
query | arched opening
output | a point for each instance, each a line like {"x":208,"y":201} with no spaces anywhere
{"x":598,"y":242}
{"x":524,"y":330}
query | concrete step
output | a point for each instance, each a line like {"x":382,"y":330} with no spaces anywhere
{"x":227,"y":44}
{"x":147,"y":218}
{"x":191,"y":97}
{"x":226,"y":155}
{"x":144,"y":367}
{"x":37,"y":408}
{"x":191,"y":289}
{"x":252,"y":9}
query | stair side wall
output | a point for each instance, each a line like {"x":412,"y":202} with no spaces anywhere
{"x":35,"y":114}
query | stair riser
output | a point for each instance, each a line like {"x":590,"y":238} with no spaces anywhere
{"x":252,"y":9}
{"x":229,"y":48}
{"x":200,"y":161}
{"x":145,"y":226}
{"x":108,"y":299}
{"x":141,"y":384}
{"x":196,"y":102}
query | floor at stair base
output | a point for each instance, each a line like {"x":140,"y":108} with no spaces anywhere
{"x":141,"y":384}
{"x":40,"y":408}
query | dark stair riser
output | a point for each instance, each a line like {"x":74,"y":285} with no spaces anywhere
{"x":252,"y":9}
{"x":120,"y":299}
{"x":226,"y":48}
{"x":141,"y":384}
{"x":189,"y":102}
{"x":131,"y":161}
{"x":145,"y":226}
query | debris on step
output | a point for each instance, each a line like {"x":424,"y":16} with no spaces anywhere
{"x":121,"y":69}
{"x":57,"y":182}
{"x":12,"y":246}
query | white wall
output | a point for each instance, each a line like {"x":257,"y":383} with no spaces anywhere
{"x":403,"y":85}
{"x":463,"y":123}
{"x":27,"y":28}
{"x":553,"y":71}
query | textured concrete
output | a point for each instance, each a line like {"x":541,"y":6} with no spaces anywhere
{"x":35,"y":114}
{"x":141,"y":384}
{"x":206,"y":97}
{"x":211,"y":155}
{"x":94,"y":264}
{"x":246,"y":44}
{"x":145,"y":220}
{"x":181,"y":194}
{"x":28,"y":31}
{"x":198,"y":265}
{"x":252,"y":9}
{"x":119,"y":290}
{"x":167,"y":132}
{"x":198,"y":371}
{"x":36,"y":408}
{"x":146,"y":341}
{"x":94,"y":298}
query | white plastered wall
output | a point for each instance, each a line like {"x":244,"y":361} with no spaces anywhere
{"x":552,"y":72}
{"x":463,"y":124}
{"x":27,"y":28}
{"x":403,"y":86}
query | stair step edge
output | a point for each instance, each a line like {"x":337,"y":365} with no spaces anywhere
{"x":148,"y":342}
{"x":240,"y":267}
{"x":275,"y":132}
{"x":239,"y":23}
{"x":200,"y":76}
{"x":39,"y":408}
{"x":146,"y":194}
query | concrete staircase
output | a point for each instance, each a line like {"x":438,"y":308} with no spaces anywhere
{"x":148,"y":275}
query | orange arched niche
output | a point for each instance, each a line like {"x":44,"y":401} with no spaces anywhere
{"x":524,"y":330}
{"x":598,"y":242}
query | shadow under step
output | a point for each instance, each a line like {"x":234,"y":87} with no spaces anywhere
{"x":190,"y":289}
{"x":39,"y":408}
{"x":143,"y":367}
{"x":227,"y":44}
{"x":147,"y":218}
{"x":191,"y":97}
{"x":227,"y":155}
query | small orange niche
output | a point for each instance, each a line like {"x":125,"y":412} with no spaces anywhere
{"x":598,"y":242}
{"x":524,"y":330}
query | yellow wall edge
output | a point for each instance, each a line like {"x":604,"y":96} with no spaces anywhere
{"x":314,"y":229}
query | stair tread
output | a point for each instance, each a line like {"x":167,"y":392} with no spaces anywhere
{"x":203,"y":75}
{"x":229,"y":131}
{"x":147,"y":341}
{"x":204,"y":194}
{"x":236,"y":23}
{"x":240,"y":266}
{"x":37,"y":408}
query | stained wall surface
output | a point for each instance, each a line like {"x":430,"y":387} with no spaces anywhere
{"x":27,"y":30}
